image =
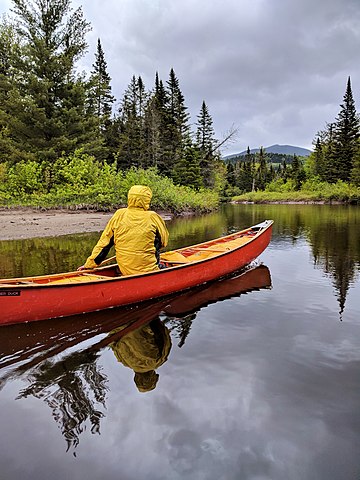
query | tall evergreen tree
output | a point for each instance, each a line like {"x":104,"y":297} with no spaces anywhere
{"x":177,"y":125}
{"x":54,"y":35}
{"x":101,"y":99}
{"x":12,"y":103}
{"x":346,"y":135}
{"x":132,"y":151}
{"x":262,"y":170}
{"x":319,"y":158}
{"x":205,"y":140}
{"x":187,"y":170}
{"x":156,"y":116}
{"x":330,"y":163}
{"x":355,"y":172}
{"x":297,"y":172}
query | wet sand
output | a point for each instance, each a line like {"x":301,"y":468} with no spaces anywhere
{"x":28,"y":223}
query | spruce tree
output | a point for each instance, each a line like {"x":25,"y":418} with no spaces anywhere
{"x":330,"y":163}
{"x":55,"y":120}
{"x":205,"y":140}
{"x":319,"y":158}
{"x":12,"y":102}
{"x":177,"y":124}
{"x":132,"y":150}
{"x":100,"y":97}
{"x":187,"y":170}
{"x":262,"y":170}
{"x":355,"y":172}
{"x":346,"y":135}
{"x":297,"y":172}
{"x":156,"y":116}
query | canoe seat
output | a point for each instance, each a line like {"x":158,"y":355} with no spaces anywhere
{"x":85,"y":277}
{"x":201,"y":253}
{"x":174,"y":257}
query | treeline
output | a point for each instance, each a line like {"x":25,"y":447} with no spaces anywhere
{"x":333,"y":166}
{"x":49,"y":110}
{"x":55,"y":121}
{"x":256,"y":172}
{"x":337,"y":148}
{"x":272,"y":157}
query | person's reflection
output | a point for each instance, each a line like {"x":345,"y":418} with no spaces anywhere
{"x":144,"y":350}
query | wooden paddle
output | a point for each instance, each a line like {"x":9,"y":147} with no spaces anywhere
{"x":107,"y":261}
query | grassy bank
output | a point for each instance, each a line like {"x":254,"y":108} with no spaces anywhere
{"x":80,"y":183}
{"x":311,"y":192}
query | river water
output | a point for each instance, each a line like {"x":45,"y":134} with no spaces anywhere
{"x":255,"y":377}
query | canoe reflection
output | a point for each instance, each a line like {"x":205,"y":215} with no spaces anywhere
{"x":74,"y":385}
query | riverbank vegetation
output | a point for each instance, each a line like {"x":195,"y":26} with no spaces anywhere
{"x":65,"y":141}
{"x":331,"y":173}
{"x":78,"y":181}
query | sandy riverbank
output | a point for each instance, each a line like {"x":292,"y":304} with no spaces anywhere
{"x":31,"y":223}
{"x":24,"y":223}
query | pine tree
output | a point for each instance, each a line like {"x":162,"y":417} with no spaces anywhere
{"x":12,"y":102}
{"x":355,"y":172}
{"x":297,"y":172}
{"x":248,"y":155}
{"x":319,"y":158}
{"x":100,"y":97}
{"x":156,"y":115}
{"x":346,"y":135}
{"x":55,"y":120}
{"x":205,"y":140}
{"x":132,"y":150}
{"x":187,"y":170}
{"x":330,"y":163}
{"x":177,"y":124}
{"x":262,"y":171}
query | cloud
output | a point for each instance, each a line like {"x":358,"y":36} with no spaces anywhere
{"x":277,"y":70}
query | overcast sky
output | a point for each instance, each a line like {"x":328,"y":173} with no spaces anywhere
{"x":275,"y":69}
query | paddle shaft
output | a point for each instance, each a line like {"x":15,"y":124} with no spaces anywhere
{"x":107,"y":260}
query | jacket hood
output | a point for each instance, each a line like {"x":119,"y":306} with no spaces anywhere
{"x":139,"y":196}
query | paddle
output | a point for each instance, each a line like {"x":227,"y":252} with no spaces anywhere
{"x":107,"y":260}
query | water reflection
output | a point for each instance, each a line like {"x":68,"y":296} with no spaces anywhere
{"x":332,"y":231}
{"x":74,"y":386}
{"x":75,"y":391}
{"x":144,"y":350}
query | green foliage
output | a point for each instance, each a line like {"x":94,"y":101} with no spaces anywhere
{"x":336,"y":148}
{"x":81,"y":182}
{"x":24,"y":178}
{"x":312,"y":190}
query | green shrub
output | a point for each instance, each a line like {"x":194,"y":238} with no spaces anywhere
{"x":24,"y":178}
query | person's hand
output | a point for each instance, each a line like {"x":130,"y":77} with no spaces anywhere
{"x":81,"y":268}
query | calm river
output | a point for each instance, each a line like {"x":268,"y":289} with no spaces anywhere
{"x":256,"y":377}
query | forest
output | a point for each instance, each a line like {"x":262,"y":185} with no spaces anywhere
{"x":65,"y":140}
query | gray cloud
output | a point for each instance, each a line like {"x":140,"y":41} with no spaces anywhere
{"x":277,"y":70}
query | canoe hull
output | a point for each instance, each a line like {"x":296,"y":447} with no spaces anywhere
{"x":31,"y":303}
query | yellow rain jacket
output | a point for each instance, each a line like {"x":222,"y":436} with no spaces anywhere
{"x":144,"y":350}
{"x":137,"y":233}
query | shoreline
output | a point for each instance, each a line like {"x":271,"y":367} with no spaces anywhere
{"x":23,"y":223}
{"x":19,"y":223}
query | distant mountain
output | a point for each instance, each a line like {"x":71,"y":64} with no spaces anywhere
{"x":281,"y":149}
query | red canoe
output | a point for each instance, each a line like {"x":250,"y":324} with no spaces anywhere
{"x":50,"y":296}
{"x":37,"y":341}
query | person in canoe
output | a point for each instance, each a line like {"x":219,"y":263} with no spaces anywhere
{"x":137,"y":233}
